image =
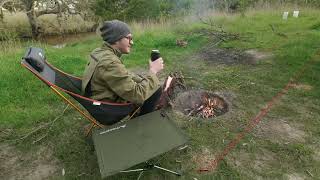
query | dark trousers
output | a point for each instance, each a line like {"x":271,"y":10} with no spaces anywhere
{"x":150,"y":104}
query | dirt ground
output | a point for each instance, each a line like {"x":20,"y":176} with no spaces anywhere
{"x":232,"y":56}
{"x":31,"y":166}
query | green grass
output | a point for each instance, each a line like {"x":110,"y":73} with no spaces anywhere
{"x":26,"y":102}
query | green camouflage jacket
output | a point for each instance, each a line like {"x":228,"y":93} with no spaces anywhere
{"x":111,"y":81}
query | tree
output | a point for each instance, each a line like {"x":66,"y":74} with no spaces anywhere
{"x":126,"y":9}
{"x":37,"y":8}
{"x":142,"y":9}
{"x":110,"y":9}
{"x":6,"y":4}
{"x":139,"y":9}
{"x":175,"y":7}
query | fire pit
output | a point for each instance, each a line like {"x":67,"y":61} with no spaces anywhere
{"x":201,"y":104}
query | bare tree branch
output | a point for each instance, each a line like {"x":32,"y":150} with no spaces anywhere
{"x":36,"y":8}
{"x":47,"y":11}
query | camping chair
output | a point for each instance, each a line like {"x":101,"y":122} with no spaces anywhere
{"x":121,"y":145}
{"x":101,"y":112}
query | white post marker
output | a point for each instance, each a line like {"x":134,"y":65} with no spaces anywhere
{"x":295,"y":14}
{"x":285,"y":15}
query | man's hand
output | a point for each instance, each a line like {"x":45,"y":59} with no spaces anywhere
{"x":156,"y":66}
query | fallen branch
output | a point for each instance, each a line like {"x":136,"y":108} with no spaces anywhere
{"x":309,"y":173}
{"x":50,"y":125}
{"x":42,"y":137}
{"x":195,"y":110}
{"x":43,"y":126}
{"x":218,"y":32}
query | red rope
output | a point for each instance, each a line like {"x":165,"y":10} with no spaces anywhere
{"x":254,"y":121}
{"x":248,"y":128}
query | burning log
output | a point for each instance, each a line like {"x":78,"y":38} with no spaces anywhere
{"x":209,"y":107}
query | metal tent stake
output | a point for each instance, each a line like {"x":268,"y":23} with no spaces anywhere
{"x":150,"y":166}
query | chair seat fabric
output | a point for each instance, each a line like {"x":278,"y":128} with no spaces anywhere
{"x":105,"y":113}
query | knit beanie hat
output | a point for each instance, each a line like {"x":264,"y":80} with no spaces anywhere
{"x":112,"y":31}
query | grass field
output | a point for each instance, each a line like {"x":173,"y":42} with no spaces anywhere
{"x":37,"y":141}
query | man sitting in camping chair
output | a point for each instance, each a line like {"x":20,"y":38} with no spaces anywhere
{"x":107,"y":79}
{"x":120,"y":145}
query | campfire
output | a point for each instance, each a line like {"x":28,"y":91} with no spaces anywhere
{"x":191,"y":103}
{"x":209,"y":106}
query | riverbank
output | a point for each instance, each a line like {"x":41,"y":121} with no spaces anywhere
{"x":16,"y":25}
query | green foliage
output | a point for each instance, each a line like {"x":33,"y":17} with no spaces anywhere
{"x":153,"y":9}
{"x":242,"y":5}
{"x":110,"y":9}
{"x":311,"y":3}
{"x":315,"y":26}
{"x":174,"y":7}
{"x":142,"y":9}
{"x":139,"y":9}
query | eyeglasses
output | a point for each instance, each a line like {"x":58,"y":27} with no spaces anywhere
{"x":130,"y":38}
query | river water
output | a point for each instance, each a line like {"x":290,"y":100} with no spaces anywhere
{"x":62,"y":40}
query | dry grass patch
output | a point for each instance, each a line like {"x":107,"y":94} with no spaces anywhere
{"x":260,"y":162}
{"x":258,"y":55}
{"x":252,"y":164}
{"x":304,"y":87}
{"x":316,"y":153}
{"x":295,"y":176}
{"x":280,"y":131}
{"x":204,"y":158}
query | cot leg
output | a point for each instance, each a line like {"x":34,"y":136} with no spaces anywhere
{"x":90,"y":129}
